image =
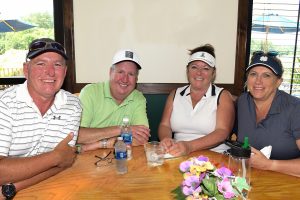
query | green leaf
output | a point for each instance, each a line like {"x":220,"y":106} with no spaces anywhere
{"x":209,"y":187}
{"x":241,"y":184}
{"x":178,"y":195}
{"x":219,"y":197}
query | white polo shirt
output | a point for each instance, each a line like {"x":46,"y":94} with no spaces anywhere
{"x":190,"y":123}
{"x":25,"y":132}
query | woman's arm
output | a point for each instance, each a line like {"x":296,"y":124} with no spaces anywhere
{"x":290,"y":167}
{"x":164,"y":129}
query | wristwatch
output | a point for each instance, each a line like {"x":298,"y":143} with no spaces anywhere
{"x":103,"y":143}
{"x":78,"y":148}
{"x":9,"y":191}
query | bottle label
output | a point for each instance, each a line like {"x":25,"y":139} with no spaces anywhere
{"x":121,"y":155}
{"x":127,"y":138}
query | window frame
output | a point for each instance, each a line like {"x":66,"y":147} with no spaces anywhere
{"x":59,"y":33}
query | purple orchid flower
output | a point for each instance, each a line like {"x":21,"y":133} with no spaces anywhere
{"x":223,"y":172}
{"x":190,"y":184}
{"x":225,"y":188}
{"x":185,"y":166}
{"x":203,"y":158}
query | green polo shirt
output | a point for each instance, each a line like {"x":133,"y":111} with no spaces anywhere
{"x":100,"y":109}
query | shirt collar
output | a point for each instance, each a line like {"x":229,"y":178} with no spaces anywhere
{"x":275,"y":107}
{"x":210,"y":92}
{"x":22,"y":95}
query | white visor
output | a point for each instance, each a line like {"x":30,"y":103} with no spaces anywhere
{"x":203,"y":56}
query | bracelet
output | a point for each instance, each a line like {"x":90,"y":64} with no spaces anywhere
{"x":103,"y":143}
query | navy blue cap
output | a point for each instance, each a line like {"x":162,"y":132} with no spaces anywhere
{"x":268,"y":61}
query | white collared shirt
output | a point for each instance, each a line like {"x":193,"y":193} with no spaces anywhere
{"x":190,"y":123}
{"x":25,"y":132}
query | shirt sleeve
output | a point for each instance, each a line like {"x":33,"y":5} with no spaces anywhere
{"x":73,"y":122}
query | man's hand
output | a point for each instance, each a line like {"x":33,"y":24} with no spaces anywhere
{"x":140,"y":134}
{"x":65,"y":153}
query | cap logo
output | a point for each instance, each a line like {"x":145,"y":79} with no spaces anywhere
{"x":126,"y":55}
{"x":129,"y":54}
{"x":263,"y":58}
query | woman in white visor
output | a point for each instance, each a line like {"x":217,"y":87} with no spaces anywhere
{"x":199,"y":115}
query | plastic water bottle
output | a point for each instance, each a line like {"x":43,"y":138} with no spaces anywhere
{"x":121,"y":156}
{"x":126,"y":134}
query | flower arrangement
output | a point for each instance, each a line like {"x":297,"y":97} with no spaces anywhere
{"x":202,"y":180}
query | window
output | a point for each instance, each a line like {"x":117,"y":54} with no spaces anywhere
{"x":275,"y":26}
{"x":19,"y":25}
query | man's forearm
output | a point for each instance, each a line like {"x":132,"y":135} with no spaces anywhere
{"x":91,"y":135}
{"x":17,"y":169}
{"x":38,"y":178}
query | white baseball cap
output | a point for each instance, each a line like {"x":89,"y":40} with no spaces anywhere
{"x":126,"y":54}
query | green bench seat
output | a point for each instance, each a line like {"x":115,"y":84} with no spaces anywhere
{"x":155,"y":107}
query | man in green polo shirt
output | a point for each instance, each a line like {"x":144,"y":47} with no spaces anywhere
{"x":105,"y":104}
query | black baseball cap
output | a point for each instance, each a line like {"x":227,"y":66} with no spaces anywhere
{"x":43,"y":45}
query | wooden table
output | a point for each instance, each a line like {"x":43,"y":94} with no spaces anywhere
{"x":86,"y":181}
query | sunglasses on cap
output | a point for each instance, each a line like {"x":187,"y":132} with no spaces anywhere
{"x":41,"y":45}
{"x":269,"y":53}
{"x":38,"y":47}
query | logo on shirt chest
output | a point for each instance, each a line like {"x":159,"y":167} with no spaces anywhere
{"x":58,"y":117}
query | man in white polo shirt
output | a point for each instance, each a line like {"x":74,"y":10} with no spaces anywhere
{"x":39,"y":122}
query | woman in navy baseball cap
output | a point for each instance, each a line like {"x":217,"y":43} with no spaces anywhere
{"x":269,"y":117}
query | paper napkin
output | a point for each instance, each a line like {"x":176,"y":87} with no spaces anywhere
{"x":267,"y":151}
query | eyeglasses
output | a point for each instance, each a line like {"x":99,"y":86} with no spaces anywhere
{"x":104,"y":161}
{"x":269,"y":53}
{"x":41,"y":45}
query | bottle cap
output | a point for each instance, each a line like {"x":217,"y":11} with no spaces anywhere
{"x":246,"y":143}
{"x":120,"y":138}
{"x":125,"y":119}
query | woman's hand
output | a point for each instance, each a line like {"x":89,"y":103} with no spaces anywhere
{"x":167,"y":143}
{"x":259,"y":160}
{"x":179,"y":148}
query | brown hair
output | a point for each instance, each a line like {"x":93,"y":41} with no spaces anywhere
{"x":206,"y":48}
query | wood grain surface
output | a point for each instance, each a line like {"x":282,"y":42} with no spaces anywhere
{"x":84,"y":180}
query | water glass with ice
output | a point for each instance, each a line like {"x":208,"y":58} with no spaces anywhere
{"x":154,"y":153}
